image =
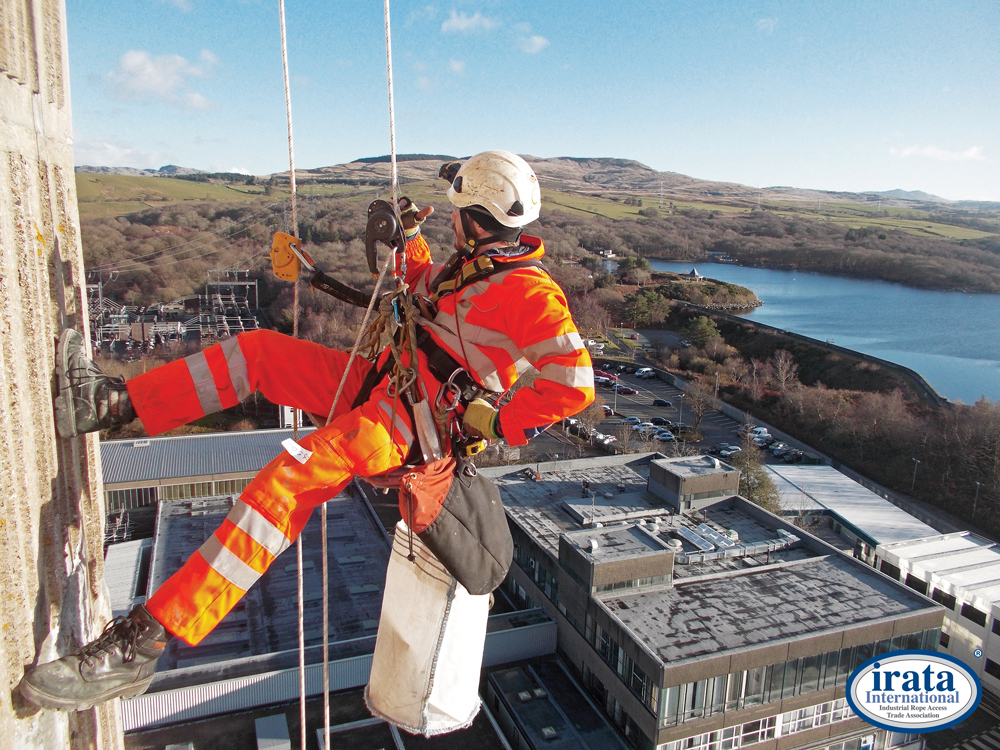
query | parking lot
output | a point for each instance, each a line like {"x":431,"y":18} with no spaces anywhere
{"x":715,"y":427}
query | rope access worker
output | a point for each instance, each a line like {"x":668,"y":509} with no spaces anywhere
{"x":480,"y":331}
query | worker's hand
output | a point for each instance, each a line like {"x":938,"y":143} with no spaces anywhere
{"x":482,"y":420}
{"x":412,"y":216}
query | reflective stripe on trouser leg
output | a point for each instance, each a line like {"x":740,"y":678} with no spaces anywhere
{"x":366,"y":441}
{"x":287,"y":371}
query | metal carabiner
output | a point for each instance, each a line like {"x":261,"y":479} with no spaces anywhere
{"x":454,"y":390}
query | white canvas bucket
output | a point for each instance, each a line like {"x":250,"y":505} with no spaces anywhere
{"x":429,"y":649}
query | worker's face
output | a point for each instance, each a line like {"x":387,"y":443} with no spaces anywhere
{"x":456,"y":227}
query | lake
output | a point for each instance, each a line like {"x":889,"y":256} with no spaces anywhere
{"x":951,"y":338}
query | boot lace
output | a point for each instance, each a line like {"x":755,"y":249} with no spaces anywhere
{"x":121,"y":633}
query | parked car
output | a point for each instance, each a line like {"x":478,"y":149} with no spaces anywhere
{"x":782,"y":452}
{"x":732,"y":450}
{"x":662,"y":421}
{"x":634,"y":337}
{"x":608,"y":411}
{"x":685,"y":343}
{"x":661,"y":402}
{"x":665,"y":436}
{"x":763,"y":441}
{"x":773,"y":447}
{"x":645,"y":428}
{"x":753,"y":431}
{"x":792,"y":457}
{"x":681,"y":427}
{"x":625,"y":390}
{"x":716,"y":449}
{"x":645,"y":373}
{"x":600,"y":373}
{"x":631,"y":420}
{"x":630,"y":369}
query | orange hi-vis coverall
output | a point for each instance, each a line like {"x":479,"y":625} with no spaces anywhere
{"x":499,"y":326}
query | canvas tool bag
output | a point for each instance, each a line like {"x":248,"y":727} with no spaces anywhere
{"x":429,"y":650}
{"x":458,"y":514}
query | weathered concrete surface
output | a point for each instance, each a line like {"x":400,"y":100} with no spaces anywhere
{"x":51,"y":514}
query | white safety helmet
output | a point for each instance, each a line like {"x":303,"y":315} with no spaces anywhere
{"x":502,"y":183}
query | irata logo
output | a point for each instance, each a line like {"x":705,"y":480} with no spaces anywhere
{"x":919,"y":691}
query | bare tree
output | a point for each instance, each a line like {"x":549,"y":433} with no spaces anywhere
{"x":784,"y":369}
{"x":701,"y":402}
{"x":593,"y":415}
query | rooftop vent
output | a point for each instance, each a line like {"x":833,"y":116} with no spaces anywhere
{"x":733,"y":535}
{"x":549,"y":733}
{"x":524,"y":696}
{"x":140,"y":444}
{"x":621,"y":488}
{"x":539,"y":693}
{"x":715,"y":463}
{"x":594,"y":546}
{"x":609,"y":494}
{"x":675,"y":544}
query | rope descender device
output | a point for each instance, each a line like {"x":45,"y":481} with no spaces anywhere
{"x":383,"y":226}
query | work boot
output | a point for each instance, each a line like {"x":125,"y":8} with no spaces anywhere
{"x":88,"y":400}
{"x":119,"y":664}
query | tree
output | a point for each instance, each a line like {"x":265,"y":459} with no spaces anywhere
{"x":756,"y":484}
{"x":593,"y":415}
{"x":700,"y":401}
{"x":700,"y":330}
{"x":784,"y":369}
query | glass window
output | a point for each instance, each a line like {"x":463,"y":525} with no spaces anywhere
{"x":846,"y":660}
{"x":791,"y":678}
{"x":734,"y":692}
{"x":718,"y":699}
{"x":945,"y":640}
{"x":697,"y":693}
{"x":993,"y":669}
{"x":755,"y":682}
{"x":670,"y":703}
{"x":809,"y":675}
{"x":917,"y":584}
{"x":862,"y":653}
{"x":944,"y":598}
{"x":976,"y":615}
{"x":776,"y":675}
{"x":889,"y":569}
{"x":830,"y":668}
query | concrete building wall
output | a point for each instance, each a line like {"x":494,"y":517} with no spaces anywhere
{"x":51,"y":517}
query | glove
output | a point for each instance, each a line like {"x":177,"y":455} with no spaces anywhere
{"x":482,"y":420}
{"x":412,"y":217}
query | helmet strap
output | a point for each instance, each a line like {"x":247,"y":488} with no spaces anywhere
{"x":472,"y":242}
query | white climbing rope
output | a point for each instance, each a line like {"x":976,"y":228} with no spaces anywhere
{"x":295,"y":412}
{"x":394,"y":176}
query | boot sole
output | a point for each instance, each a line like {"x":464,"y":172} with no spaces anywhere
{"x":53,"y":702}
{"x":65,"y":414}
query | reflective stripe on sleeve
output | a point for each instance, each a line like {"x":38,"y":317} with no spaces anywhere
{"x":237,"y":367}
{"x":204,"y":383}
{"x":228,"y":565}
{"x":397,"y":422}
{"x":565,"y":344}
{"x":574,"y":377}
{"x":258,"y":528}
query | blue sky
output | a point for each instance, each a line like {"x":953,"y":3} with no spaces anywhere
{"x":841,"y":95}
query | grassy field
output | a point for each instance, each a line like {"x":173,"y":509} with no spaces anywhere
{"x":115,"y":195}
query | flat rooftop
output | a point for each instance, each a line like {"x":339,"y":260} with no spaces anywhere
{"x":741,"y":577}
{"x":968,"y":563}
{"x":551,"y":709}
{"x":817,"y":488}
{"x":695,"y":466}
{"x":266,"y":619}
{"x":160,"y":458}
{"x":776,"y":603}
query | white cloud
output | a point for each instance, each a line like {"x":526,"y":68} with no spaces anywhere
{"x":456,"y":66}
{"x":428,"y":12}
{"x":766,"y":25}
{"x":973,"y":153}
{"x":97,"y":152}
{"x":140,"y":76}
{"x":466,"y":23}
{"x":533,"y":44}
{"x":194,"y":100}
